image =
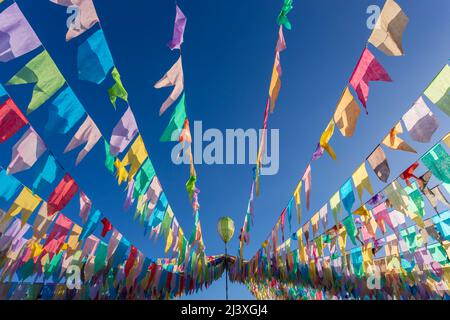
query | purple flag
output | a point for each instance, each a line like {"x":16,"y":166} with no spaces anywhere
{"x":26,"y":152}
{"x":16,"y":35}
{"x":123,"y":133}
{"x":178,"y":30}
{"x":318,"y":153}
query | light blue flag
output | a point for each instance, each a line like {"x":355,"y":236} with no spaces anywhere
{"x":160,"y":210}
{"x":66,"y":110}
{"x":357,"y":261}
{"x":91,"y":224}
{"x":438,"y":161}
{"x":8,"y":185}
{"x":94,"y":58}
{"x":347,"y":196}
{"x":47,"y":175}
{"x":2,"y":91}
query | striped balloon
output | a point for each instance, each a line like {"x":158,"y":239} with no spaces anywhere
{"x":225,"y":228}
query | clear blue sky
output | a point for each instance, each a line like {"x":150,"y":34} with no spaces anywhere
{"x":227,"y":57}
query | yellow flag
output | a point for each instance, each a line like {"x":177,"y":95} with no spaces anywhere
{"x":275,"y":86}
{"x":394,"y":142}
{"x":135,"y":157}
{"x":325,"y":139}
{"x":361,"y":181}
{"x":297,"y":200}
{"x":362,"y":211}
{"x":347,"y":113}
{"x":26,"y":202}
{"x":122,"y":173}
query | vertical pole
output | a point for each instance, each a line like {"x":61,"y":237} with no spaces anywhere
{"x":226,"y":272}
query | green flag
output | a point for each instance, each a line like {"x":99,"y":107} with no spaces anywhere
{"x":350,"y":227}
{"x":42,"y":71}
{"x":439,"y":90}
{"x":143,"y":178}
{"x":109,"y":159}
{"x":117,"y":90}
{"x":282,"y":17}
{"x":190,"y":186}
{"x":176,"y":122}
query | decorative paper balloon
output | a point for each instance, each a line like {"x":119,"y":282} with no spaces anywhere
{"x":225,"y":228}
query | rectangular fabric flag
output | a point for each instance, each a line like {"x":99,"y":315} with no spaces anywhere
{"x":347,"y":113}
{"x":275,"y":82}
{"x":388,"y":32}
{"x":42,"y":71}
{"x":178,"y":29}
{"x":398,"y":198}
{"x":420,"y":122}
{"x":282,"y":18}
{"x":438,"y":161}
{"x":174,"y":77}
{"x":94,"y":59}
{"x":135,"y":157}
{"x":26,"y":152}
{"x":361,"y":180}
{"x":347,"y":196}
{"x":65,"y":111}
{"x":86,"y":16}
{"x":143,"y":178}
{"x":379,"y":164}
{"x":350,"y":227}
{"x":439,"y":90}
{"x":335,"y":205}
{"x":175,"y":126}
{"x":85,"y":206}
{"x":57,"y":235}
{"x":11,"y":120}
{"x":368,"y":69}
{"x":62,"y":194}
{"x":42,"y":222}
{"x":25,"y":203}
{"x":8,"y":185}
{"x":88,"y":134}
{"x":91,"y":225}
{"x":308,"y":183}
{"x":16,"y":35}
{"x":47,"y":175}
{"x":394,"y":142}
{"x":123,"y":133}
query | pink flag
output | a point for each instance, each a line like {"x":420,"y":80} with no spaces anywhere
{"x":85,"y":206}
{"x":123,"y":133}
{"x":174,"y":77}
{"x":11,"y":120}
{"x":116,"y":236}
{"x":57,"y":235}
{"x":62,"y":194}
{"x":368,"y":69}
{"x":85,"y":16}
{"x":307,"y":181}
{"x":26,"y":152}
{"x":87,"y":134}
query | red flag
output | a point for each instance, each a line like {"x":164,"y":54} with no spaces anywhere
{"x":130,"y":261}
{"x":409,"y":173}
{"x":11,"y":120}
{"x":368,"y":69}
{"x":62,"y":194}
{"x":107,"y":226}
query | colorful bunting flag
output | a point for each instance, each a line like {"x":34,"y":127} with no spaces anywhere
{"x":420,"y":122}
{"x":16,"y":35}
{"x":282,"y":19}
{"x":347,"y":196}
{"x":307,"y":180}
{"x":42,"y":71}
{"x":439,"y":90}
{"x":178,"y":29}
{"x":135,"y":157}
{"x":94,"y":59}
{"x":394,"y":142}
{"x":117,"y":90}
{"x":367,"y":69}
{"x":175,"y":126}
{"x":26,"y":152}
{"x":66,"y":110}
{"x":63,"y":193}
{"x":123,"y":133}
{"x":25,"y":203}
{"x":378,"y":161}
{"x":174,"y":77}
{"x":388,"y":31}
{"x":361,"y":180}
{"x":325,"y":139}
{"x":47,"y":174}
{"x":11,"y":120}
{"x":437,"y":161}
{"x":88,"y":134}
{"x":86,"y":16}
{"x":347,"y":113}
